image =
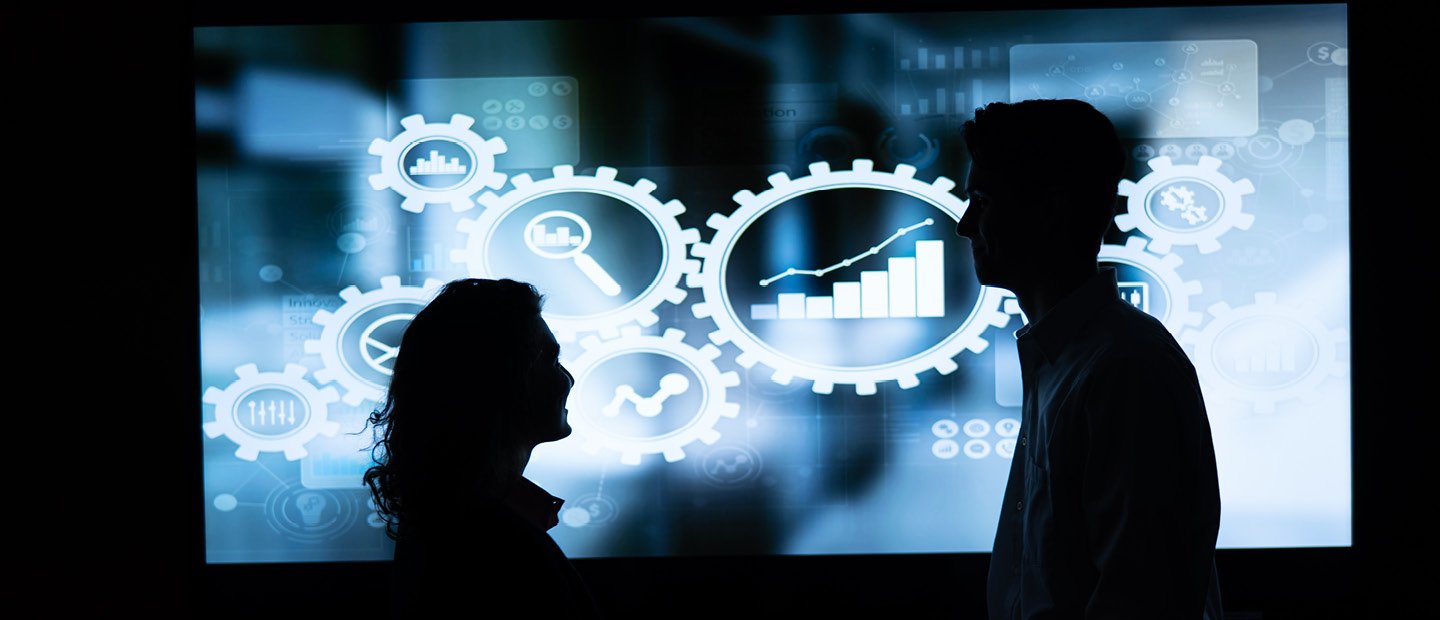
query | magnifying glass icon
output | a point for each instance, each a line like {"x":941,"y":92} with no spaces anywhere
{"x":561,"y":244}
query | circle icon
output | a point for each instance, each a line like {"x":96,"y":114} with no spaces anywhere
{"x":562,"y":88}
{"x":945,"y":429}
{"x":562,"y":121}
{"x":515,"y":123}
{"x":310,"y":516}
{"x":730,"y":466}
{"x":945,"y":449}
{"x":514,"y":106}
{"x":1005,"y":448}
{"x":977,"y":428}
{"x":539,"y":122}
{"x":492,"y":106}
{"x":571,"y":247}
{"x":537,"y":89}
{"x":1007,"y":427}
{"x":977,"y":449}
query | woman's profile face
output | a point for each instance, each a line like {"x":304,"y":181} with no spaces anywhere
{"x":549,"y":387}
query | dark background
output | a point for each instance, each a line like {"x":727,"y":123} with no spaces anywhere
{"x":138,"y":545}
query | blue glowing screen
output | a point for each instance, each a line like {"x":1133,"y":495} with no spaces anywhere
{"x":745,"y":229}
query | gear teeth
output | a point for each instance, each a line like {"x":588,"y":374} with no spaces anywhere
{"x":822,"y":387}
{"x":392,"y":173}
{"x":645,"y":186}
{"x":249,"y":380}
{"x":674,"y":454}
{"x":908,"y":381}
{"x":1163,"y":170}
{"x":720,"y":338}
{"x":608,"y":332}
{"x":710,"y":352}
{"x":946,"y":366}
{"x":779,"y":179}
{"x":745,"y":360}
{"x":590,"y":342}
{"x":522,"y":181}
{"x":674,"y":208}
{"x":630,"y":458}
{"x":863,"y":165}
{"x":324,"y":375}
{"x":905,"y":171}
{"x":700,"y":310}
{"x":648,"y":319}
{"x":675,"y":297}
{"x":606,"y":173}
{"x":782,"y":378}
{"x":489,"y":200}
{"x":944,"y":184}
{"x":742,"y":197}
{"x":700,"y":250}
{"x":461,"y":121}
{"x":563,"y":171}
{"x":631,"y":331}
{"x":1201,"y":344}
{"x":565,"y":336}
{"x":729,"y":379}
{"x":864,"y":388}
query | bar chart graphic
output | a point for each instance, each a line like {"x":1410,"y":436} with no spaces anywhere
{"x":437,"y":164}
{"x":561,"y":237}
{"x":911,"y":287}
{"x":1267,"y":357}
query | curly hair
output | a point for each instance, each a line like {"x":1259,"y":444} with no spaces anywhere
{"x":448,"y":418}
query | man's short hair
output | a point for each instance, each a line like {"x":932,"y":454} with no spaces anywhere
{"x":1040,"y":145}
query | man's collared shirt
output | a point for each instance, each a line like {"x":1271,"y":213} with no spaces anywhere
{"x":1113,"y":504}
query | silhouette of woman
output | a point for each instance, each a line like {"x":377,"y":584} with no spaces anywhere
{"x":476,"y":386}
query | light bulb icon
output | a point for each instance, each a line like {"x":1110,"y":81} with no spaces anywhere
{"x":311,"y":506}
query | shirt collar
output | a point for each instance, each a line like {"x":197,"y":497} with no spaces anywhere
{"x":534,"y":504}
{"x":1066,"y":321}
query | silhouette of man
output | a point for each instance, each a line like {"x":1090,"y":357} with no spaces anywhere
{"x":477,"y":385}
{"x":1113,"y":504}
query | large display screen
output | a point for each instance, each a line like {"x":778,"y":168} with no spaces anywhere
{"x":745,"y":230}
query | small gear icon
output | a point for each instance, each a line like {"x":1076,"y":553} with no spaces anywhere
{"x":367,"y":382}
{"x":1172,"y":187}
{"x":674,"y":240}
{"x":271,"y":412}
{"x":1163,"y":268}
{"x":1266,"y":353}
{"x":988,"y":311}
{"x":478,"y":174}
{"x":699,"y":426}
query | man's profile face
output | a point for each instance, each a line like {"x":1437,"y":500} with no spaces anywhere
{"x":995,"y":223}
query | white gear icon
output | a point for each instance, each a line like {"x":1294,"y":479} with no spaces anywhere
{"x":701,"y":362}
{"x":1326,"y":343}
{"x":482,"y":172}
{"x":674,"y":262}
{"x":315,"y":404}
{"x":1164,"y":174}
{"x":715,"y":255}
{"x":1177,"y":290}
{"x":330,"y":346}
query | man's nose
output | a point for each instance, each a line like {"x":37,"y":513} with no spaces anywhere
{"x":966,"y":226}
